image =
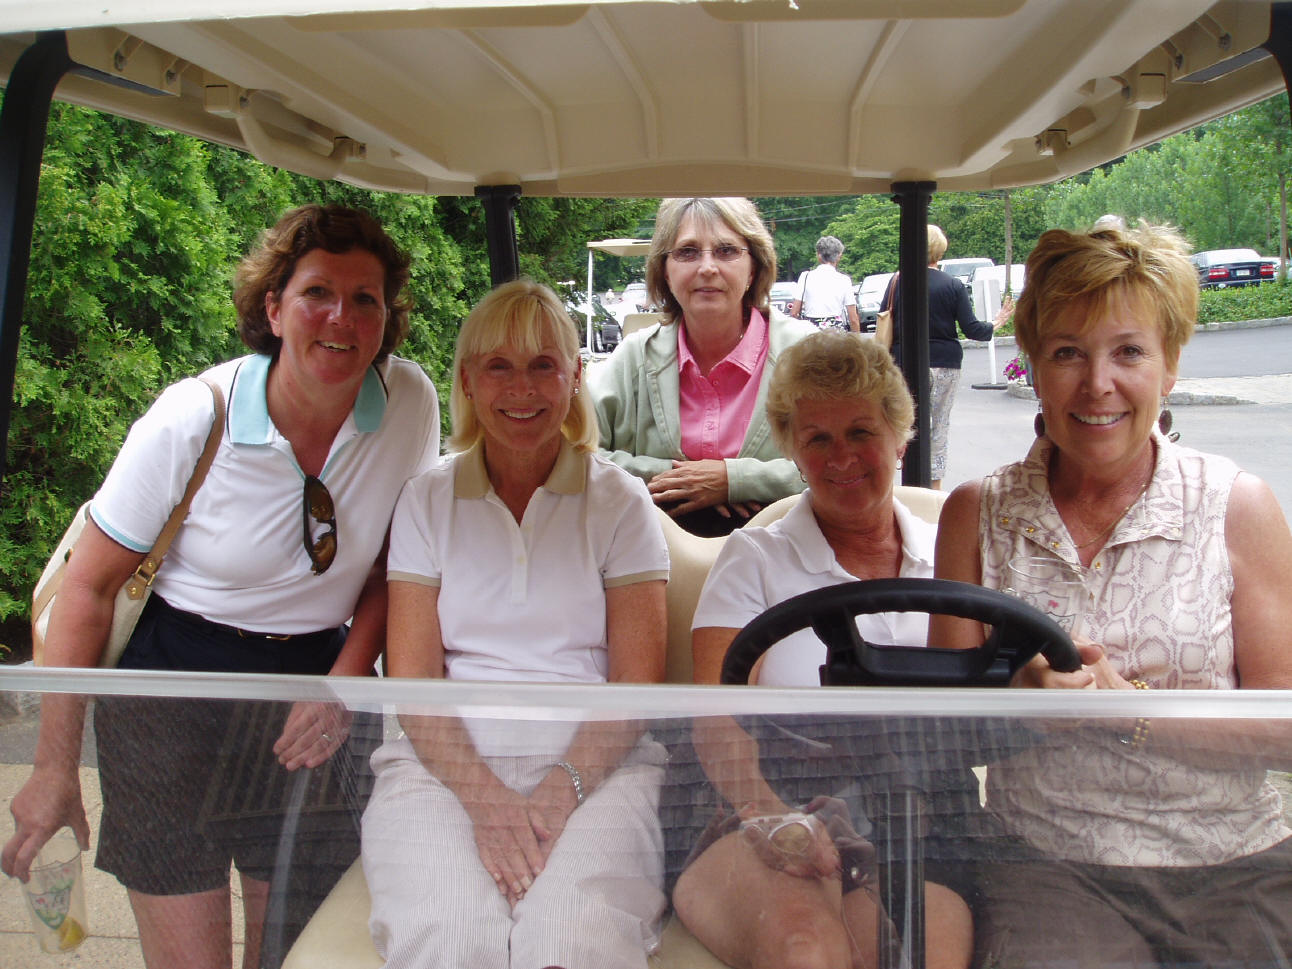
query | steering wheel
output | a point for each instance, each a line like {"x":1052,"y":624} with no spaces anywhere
{"x":1019,"y":632}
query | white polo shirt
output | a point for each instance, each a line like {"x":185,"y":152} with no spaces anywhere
{"x":829,"y":293}
{"x":240,"y":557}
{"x":760,"y":567}
{"x":526,"y":601}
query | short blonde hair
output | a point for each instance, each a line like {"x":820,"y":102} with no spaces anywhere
{"x":937,"y":243}
{"x":527,"y":316}
{"x":1149,"y":262}
{"x":737,"y":214}
{"x":833,"y":365}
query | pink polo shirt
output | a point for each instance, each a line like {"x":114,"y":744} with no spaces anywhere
{"x":715,"y":410}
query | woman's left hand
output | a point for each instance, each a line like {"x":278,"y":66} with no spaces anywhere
{"x":692,"y":485}
{"x":550,"y":806}
{"x":795,"y":844}
{"x":312,"y":734}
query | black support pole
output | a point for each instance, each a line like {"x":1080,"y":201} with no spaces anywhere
{"x":500,"y":230}
{"x":1280,"y":40}
{"x":22,"y":143}
{"x":913,"y":291}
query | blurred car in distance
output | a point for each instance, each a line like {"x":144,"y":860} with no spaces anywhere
{"x":987,"y":287}
{"x":963,"y":268}
{"x":577,"y":306}
{"x":634,"y":298}
{"x":1222,"y":268}
{"x":1017,"y":272}
{"x":870,"y":293}
{"x":609,"y":335}
{"x":783,"y":294}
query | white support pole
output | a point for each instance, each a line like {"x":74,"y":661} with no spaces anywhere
{"x":589,"y":304}
{"x":987,"y":297}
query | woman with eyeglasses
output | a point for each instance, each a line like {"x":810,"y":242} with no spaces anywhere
{"x":680,"y":404}
{"x":527,"y":557}
{"x":282,"y":547}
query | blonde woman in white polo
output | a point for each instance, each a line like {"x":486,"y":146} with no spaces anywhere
{"x":524,"y":557}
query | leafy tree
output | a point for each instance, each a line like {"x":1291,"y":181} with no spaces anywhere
{"x":869,"y":233}
{"x":796,"y":223}
{"x":127,"y":290}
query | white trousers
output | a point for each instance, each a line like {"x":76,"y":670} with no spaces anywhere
{"x":596,"y":905}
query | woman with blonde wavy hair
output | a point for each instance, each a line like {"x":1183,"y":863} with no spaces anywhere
{"x":525,"y":556}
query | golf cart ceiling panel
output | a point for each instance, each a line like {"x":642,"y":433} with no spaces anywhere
{"x":666,"y":98}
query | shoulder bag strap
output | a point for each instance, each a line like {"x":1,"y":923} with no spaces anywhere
{"x":143,"y":577}
{"x":891,"y":283}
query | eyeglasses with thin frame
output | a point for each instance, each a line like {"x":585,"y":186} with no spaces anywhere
{"x":318,"y":506}
{"x":723,"y":253}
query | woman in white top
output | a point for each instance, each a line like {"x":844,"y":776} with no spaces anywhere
{"x":840,"y":410}
{"x":825,"y":295}
{"x":524,"y":557}
{"x":1143,"y":843}
{"x":323,"y":426}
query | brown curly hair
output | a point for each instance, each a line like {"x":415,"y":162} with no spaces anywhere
{"x":332,"y":228}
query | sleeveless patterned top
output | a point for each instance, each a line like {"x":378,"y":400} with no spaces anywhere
{"x":1159,"y":603}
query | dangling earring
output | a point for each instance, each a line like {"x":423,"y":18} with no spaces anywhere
{"x":576,"y":390}
{"x":1038,"y":422}
{"x":1164,"y":423}
{"x":899,"y":464}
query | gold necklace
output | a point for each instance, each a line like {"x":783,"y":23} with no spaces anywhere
{"x":1117,"y":521}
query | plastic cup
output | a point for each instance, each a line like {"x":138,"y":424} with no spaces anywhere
{"x":56,"y":894}
{"x":1051,"y":586}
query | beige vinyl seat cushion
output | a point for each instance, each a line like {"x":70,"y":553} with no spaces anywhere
{"x":337,"y":935}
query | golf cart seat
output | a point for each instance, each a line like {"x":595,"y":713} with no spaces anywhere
{"x":337,"y":936}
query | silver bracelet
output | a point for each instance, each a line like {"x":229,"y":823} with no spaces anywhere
{"x":575,"y":778}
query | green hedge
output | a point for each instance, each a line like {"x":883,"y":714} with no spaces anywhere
{"x":1261,"y":302}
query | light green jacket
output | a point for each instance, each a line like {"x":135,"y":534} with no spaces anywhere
{"x":635,"y":392}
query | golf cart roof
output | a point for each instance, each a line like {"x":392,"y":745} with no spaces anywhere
{"x":664,"y":97}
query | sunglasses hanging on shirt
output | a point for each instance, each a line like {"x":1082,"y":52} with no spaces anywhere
{"x":319,"y":509}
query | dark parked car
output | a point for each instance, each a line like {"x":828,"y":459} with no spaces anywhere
{"x":1220,"y":268}
{"x":610,"y":335}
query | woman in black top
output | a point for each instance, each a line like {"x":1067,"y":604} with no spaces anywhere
{"x":948,"y":306}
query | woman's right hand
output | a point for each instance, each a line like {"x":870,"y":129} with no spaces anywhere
{"x":506,"y":840}
{"x":1038,"y":674}
{"x":49,"y":801}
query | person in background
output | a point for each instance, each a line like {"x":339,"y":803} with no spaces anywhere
{"x":526,"y":557}
{"x":840,"y":409}
{"x":323,"y":424}
{"x":949,"y":305}
{"x":825,"y":295}
{"x":680,"y":403}
{"x":1141,"y":843}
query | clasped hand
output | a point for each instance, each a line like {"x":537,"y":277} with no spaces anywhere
{"x":515,"y":835}
{"x":692,"y":485}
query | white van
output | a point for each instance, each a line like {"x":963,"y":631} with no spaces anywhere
{"x":963,"y":269}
